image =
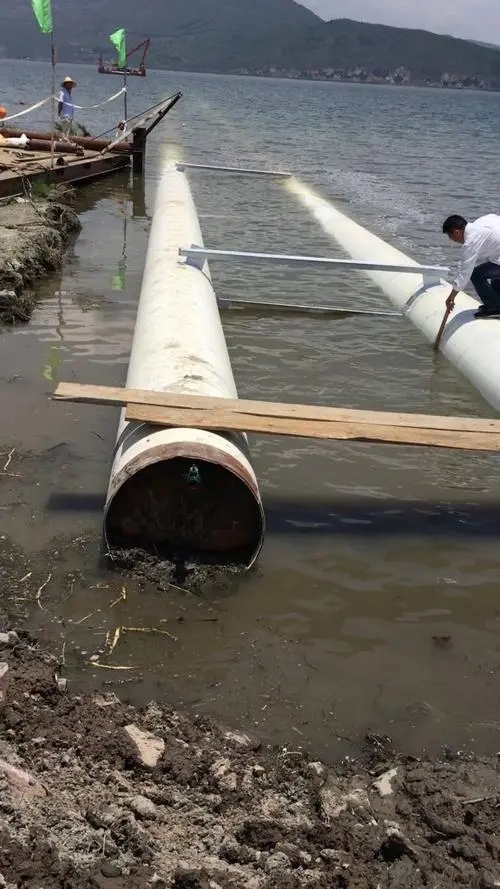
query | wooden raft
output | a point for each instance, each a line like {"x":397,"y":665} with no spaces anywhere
{"x":302,"y":420}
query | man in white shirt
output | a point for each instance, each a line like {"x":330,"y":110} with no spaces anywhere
{"x":480,"y":262}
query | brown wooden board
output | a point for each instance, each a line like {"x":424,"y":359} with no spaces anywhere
{"x":225,"y":420}
{"x":90,"y":394}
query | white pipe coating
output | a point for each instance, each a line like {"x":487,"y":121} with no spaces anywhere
{"x":472,"y":345}
{"x":179,"y":346}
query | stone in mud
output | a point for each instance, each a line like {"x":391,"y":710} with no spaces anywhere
{"x":110,"y":869}
{"x":150,"y":749}
{"x":221,"y":770}
{"x":489,"y":880}
{"x":8,"y":640}
{"x":243,"y":740}
{"x":396,"y":845}
{"x":331,"y":855}
{"x":317,"y":768}
{"x":277,"y":861}
{"x":143,"y":807}
{"x":384,"y":784}
{"x":335,"y":800}
{"x":4,"y":679}
{"x":185,"y":878}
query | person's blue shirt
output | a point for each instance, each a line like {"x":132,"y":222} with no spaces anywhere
{"x":66,"y":100}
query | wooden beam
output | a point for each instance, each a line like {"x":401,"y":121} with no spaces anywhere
{"x":226,"y":420}
{"x":120,"y":397}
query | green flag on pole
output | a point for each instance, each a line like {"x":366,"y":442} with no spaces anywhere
{"x":43,"y":13}
{"x":118,"y":41}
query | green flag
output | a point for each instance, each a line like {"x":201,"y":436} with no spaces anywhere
{"x":118,"y":41}
{"x":43,"y":13}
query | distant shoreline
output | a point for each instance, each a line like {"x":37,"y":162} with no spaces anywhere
{"x":421,"y":84}
{"x":455,"y":87}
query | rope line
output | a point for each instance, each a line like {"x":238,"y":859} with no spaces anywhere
{"x":142,"y":118}
{"x":26,"y":110}
{"x":100,"y":104}
{"x":79,"y":107}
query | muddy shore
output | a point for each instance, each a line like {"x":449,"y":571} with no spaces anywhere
{"x":94,"y":793}
{"x":33,"y":237}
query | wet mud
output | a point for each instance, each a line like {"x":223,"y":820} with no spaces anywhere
{"x":95,"y":793}
{"x":190,"y":576}
{"x":33,"y":237}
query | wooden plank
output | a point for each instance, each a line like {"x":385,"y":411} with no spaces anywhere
{"x":225,"y":420}
{"x":88,"y":394}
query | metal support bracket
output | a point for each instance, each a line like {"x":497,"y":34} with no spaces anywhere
{"x":181,"y":166}
{"x":193,"y":256}
{"x":432,"y":279}
{"x":198,"y":255}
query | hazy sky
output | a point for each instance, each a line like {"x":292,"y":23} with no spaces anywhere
{"x":475,"y":19}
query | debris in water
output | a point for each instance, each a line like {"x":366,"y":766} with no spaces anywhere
{"x":8,"y":461}
{"x":40,"y":590}
{"x":115,"y":639}
{"x":121,"y":598}
{"x":150,"y":630}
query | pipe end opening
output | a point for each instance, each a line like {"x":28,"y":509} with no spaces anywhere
{"x":185,"y":508}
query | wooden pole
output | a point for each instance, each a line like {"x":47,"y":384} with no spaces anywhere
{"x":441,"y":329}
{"x":53,"y":98}
{"x":125,"y":105}
{"x":138,"y":150}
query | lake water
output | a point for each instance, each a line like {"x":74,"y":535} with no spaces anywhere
{"x":375,"y":604}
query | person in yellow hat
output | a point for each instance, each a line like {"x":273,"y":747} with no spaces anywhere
{"x":65,"y":107}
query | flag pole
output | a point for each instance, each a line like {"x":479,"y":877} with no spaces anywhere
{"x":117,"y":38}
{"x":125,"y":96}
{"x":42,"y":10}
{"x":53,"y":98}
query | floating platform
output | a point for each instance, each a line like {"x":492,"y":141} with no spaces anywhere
{"x":19,"y":168}
{"x":44,"y":157}
{"x":138,"y":71}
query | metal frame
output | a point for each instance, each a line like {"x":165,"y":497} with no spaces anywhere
{"x":181,"y":166}
{"x":197,"y":256}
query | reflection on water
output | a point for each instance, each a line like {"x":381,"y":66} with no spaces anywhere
{"x":373,"y":555}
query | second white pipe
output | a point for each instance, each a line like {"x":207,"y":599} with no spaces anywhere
{"x":472,"y":345}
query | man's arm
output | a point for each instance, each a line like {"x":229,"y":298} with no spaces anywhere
{"x":466,"y":266}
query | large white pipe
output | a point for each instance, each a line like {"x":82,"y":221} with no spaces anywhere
{"x":181,"y":492}
{"x":472,"y":345}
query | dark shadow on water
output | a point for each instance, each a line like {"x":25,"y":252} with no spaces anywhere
{"x":67,"y":502}
{"x":360,"y":516}
{"x":365,"y":517}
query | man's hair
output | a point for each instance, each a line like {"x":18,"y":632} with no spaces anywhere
{"x":453,"y":223}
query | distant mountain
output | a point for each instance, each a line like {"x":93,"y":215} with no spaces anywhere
{"x":190,"y":34}
{"x":377,"y":52}
{"x":269,"y":37}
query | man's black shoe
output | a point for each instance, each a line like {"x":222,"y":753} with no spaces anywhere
{"x":483,"y":312}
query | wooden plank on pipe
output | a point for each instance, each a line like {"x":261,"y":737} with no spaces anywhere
{"x":226,"y":420}
{"x":120,"y":397}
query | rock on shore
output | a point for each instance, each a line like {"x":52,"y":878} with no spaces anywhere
{"x":33,"y":235}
